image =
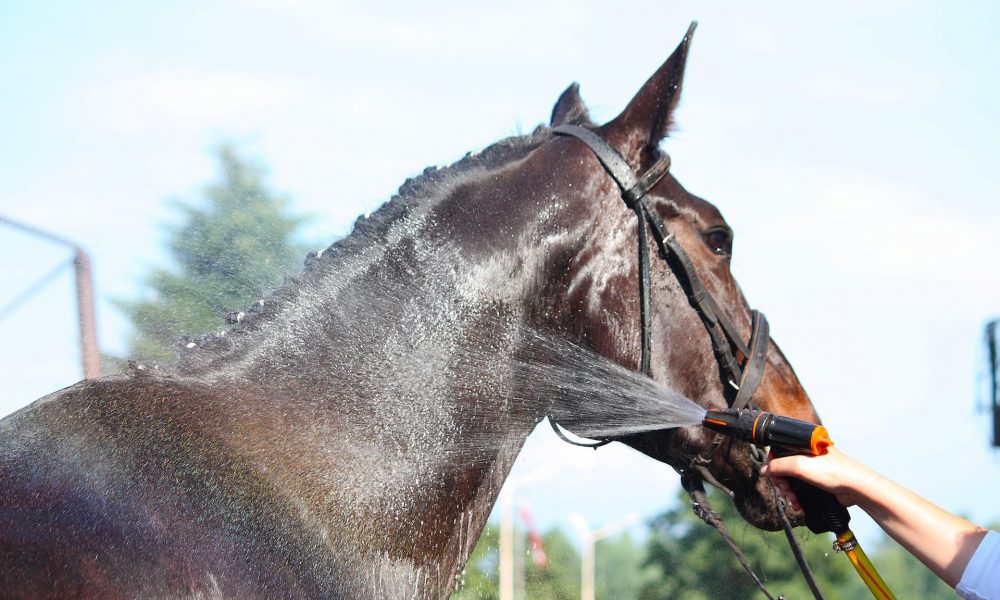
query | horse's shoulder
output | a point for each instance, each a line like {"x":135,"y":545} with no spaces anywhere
{"x":123,"y":483}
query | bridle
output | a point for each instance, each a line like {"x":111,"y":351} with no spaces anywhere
{"x":741,"y":381}
{"x":741,"y":363}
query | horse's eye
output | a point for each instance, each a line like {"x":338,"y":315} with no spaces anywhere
{"x":720,"y":240}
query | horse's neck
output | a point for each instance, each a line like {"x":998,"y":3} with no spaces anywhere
{"x":390,"y":372}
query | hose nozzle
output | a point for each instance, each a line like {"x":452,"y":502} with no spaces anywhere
{"x":767,"y":429}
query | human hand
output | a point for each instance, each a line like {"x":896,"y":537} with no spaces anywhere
{"x":942,"y":541}
{"x":834,"y":472}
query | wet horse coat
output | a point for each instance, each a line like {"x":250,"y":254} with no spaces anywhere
{"x":338,"y":442}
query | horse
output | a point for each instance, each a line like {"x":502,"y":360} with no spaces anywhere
{"x":338,"y":440}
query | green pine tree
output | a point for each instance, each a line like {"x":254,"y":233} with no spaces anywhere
{"x":229,"y":250}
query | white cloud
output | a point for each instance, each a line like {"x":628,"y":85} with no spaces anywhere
{"x":868,"y":225}
{"x":179,"y":96}
{"x":500,"y":30}
{"x":88,"y":201}
{"x":863,"y":224}
{"x":752,"y":35}
{"x":837,"y":86}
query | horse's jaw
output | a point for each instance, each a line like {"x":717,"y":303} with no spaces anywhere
{"x":752,"y":494}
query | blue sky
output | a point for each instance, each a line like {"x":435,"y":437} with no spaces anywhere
{"x":853,"y":148}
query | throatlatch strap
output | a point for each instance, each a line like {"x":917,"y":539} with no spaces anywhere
{"x":633,"y":191}
{"x":645,"y":314}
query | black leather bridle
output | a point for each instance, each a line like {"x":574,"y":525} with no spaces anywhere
{"x":741,"y":364}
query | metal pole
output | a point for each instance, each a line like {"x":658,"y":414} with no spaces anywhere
{"x":587,"y":568}
{"x":506,"y":547}
{"x":90,"y":352}
{"x":519,"y":568}
{"x":991,"y":345}
{"x":587,"y":540}
{"x":588,"y":547}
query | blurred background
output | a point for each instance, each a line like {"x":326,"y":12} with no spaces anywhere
{"x":852,"y":147}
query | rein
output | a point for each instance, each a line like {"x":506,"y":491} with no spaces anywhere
{"x":741,"y":377}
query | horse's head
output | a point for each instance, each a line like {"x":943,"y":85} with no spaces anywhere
{"x":595,"y":297}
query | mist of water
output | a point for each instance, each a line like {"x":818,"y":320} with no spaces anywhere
{"x":595,"y":397}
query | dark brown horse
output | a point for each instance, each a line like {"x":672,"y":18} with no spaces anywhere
{"x":338,"y":442}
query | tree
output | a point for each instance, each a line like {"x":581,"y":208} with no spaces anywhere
{"x":693,"y":563}
{"x":906,"y":576}
{"x":480,"y":580}
{"x":559,"y":580}
{"x":620,"y":569}
{"x":229,"y":250}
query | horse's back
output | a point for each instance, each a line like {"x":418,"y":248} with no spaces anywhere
{"x":125,"y":487}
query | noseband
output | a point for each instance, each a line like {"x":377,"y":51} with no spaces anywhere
{"x":741,"y":364}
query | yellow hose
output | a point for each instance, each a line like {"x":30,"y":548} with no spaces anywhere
{"x":848,"y":544}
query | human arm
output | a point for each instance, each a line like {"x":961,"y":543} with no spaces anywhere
{"x":942,"y":541}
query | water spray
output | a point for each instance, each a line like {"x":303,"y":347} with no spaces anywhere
{"x":823,"y":513}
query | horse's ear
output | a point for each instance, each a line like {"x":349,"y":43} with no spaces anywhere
{"x":570,"y":109}
{"x":638,"y":130}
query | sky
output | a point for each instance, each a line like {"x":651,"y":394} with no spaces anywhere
{"x":853,"y":148}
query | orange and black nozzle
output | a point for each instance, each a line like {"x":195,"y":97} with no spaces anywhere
{"x":768,"y":429}
{"x":787,"y":436}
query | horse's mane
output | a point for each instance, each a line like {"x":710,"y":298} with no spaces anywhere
{"x":425,"y":187}
{"x":433,"y":183}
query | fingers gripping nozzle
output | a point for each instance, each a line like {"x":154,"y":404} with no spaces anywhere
{"x":767,"y":429}
{"x":787,"y":436}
